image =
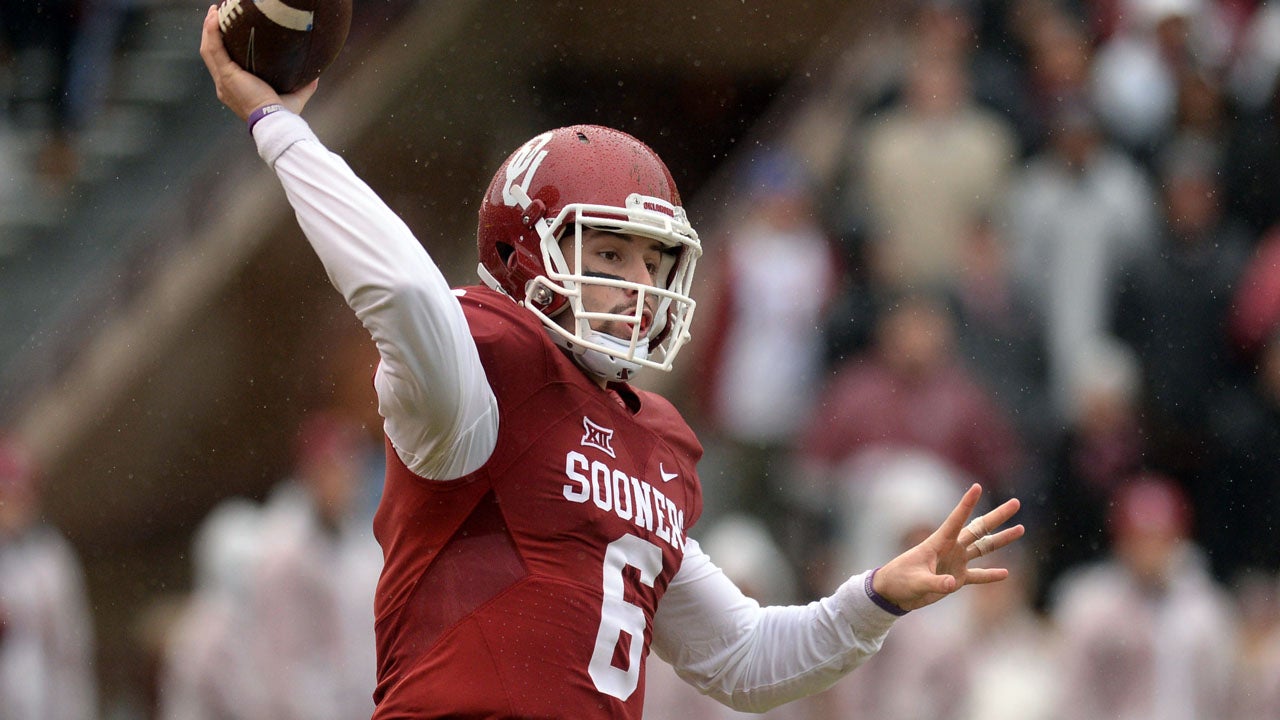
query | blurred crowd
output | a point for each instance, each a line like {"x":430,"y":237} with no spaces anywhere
{"x":56,"y":63}
{"x":1048,"y":260}
{"x":277,"y":622}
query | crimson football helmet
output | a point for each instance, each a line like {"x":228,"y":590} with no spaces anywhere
{"x":578,"y":177}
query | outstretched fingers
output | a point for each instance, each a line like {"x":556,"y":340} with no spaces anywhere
{"x":982,"y":576}
{"x":988,"y":544}
{"x":1002,"y":514}
{"x":939,"y":566}
{"x":954,"y":524}
{"x":982,"y":535}
{"x":977,"y":533}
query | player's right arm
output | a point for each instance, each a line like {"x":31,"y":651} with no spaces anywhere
{"x":439,"y":410}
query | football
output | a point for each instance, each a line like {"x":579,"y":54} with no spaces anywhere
{"x":288,"y":43}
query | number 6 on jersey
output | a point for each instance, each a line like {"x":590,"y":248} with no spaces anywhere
{"x":617,"y":616}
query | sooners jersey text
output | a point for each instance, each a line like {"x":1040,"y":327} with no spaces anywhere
{"x":630,"y":498}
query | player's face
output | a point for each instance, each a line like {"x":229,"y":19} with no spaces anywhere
{"x":621,"y":257}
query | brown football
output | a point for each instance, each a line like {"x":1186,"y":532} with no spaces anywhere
{"x":288,"y":43}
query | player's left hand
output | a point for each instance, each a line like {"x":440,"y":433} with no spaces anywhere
{"x":242,"y":91}
{"x":939,"y":565}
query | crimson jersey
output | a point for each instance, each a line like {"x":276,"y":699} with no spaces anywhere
{"x":527,"y":588}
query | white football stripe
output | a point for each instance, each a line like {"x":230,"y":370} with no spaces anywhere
{"x":285,"y":16}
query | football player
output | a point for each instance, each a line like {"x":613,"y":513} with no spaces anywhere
{"x":536,"y":508}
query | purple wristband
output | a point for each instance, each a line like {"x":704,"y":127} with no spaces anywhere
{"x":262,"y":112}
{"x":879,"y":599}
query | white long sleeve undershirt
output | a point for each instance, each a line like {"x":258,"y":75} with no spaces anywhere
{"x":442,"y":418}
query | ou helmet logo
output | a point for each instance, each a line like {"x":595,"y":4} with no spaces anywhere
{"x":524,"y":163}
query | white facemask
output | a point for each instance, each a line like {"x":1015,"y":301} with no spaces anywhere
{"x":605,"y":355}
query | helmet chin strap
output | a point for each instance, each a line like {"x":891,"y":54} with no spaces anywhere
{"x":600,"y":364}
{"x":608,"y":366}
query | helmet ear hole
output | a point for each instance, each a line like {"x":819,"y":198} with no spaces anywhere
{"x":506,"y":253}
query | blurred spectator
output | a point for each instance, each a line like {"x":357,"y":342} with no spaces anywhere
{"x":1139,"y":72}
{"x":932,"y":166}
{"x":1255,"y":67}
{"x":46,"y":633}
{"x":1078,"y":213}
{"x":1102,"y":448}
{"x":314,"y":582}
{"x":1201,"y":110}
{"x":1255,"y":314}
{"x":1247,"y":426}
{"x":912,"y":391}
{"x":850,"y":322}
{"x":1173,"y":310}
{"x":891,"y":501}
{"x":1058,"y":60}
{"x":976,"y":35}
{"x":999,"y":332}
{"x":745,"y":550}
{"x":1146,"y":632}
{"x":1253,"y":154}
{"x":779,"y":273}
{"x":208,"y":670}
{"x":64,"y":51}
{"x":882,"y":496}
{"x":1256,"y":693}
{"x":1011,"y":661}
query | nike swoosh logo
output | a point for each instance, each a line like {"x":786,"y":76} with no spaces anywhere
{"x":666,"y":476}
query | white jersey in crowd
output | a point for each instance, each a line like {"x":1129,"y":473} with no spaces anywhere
{"x":1134,"y":653}
{"x":46,"y":636}
{"x":313,"y":604}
